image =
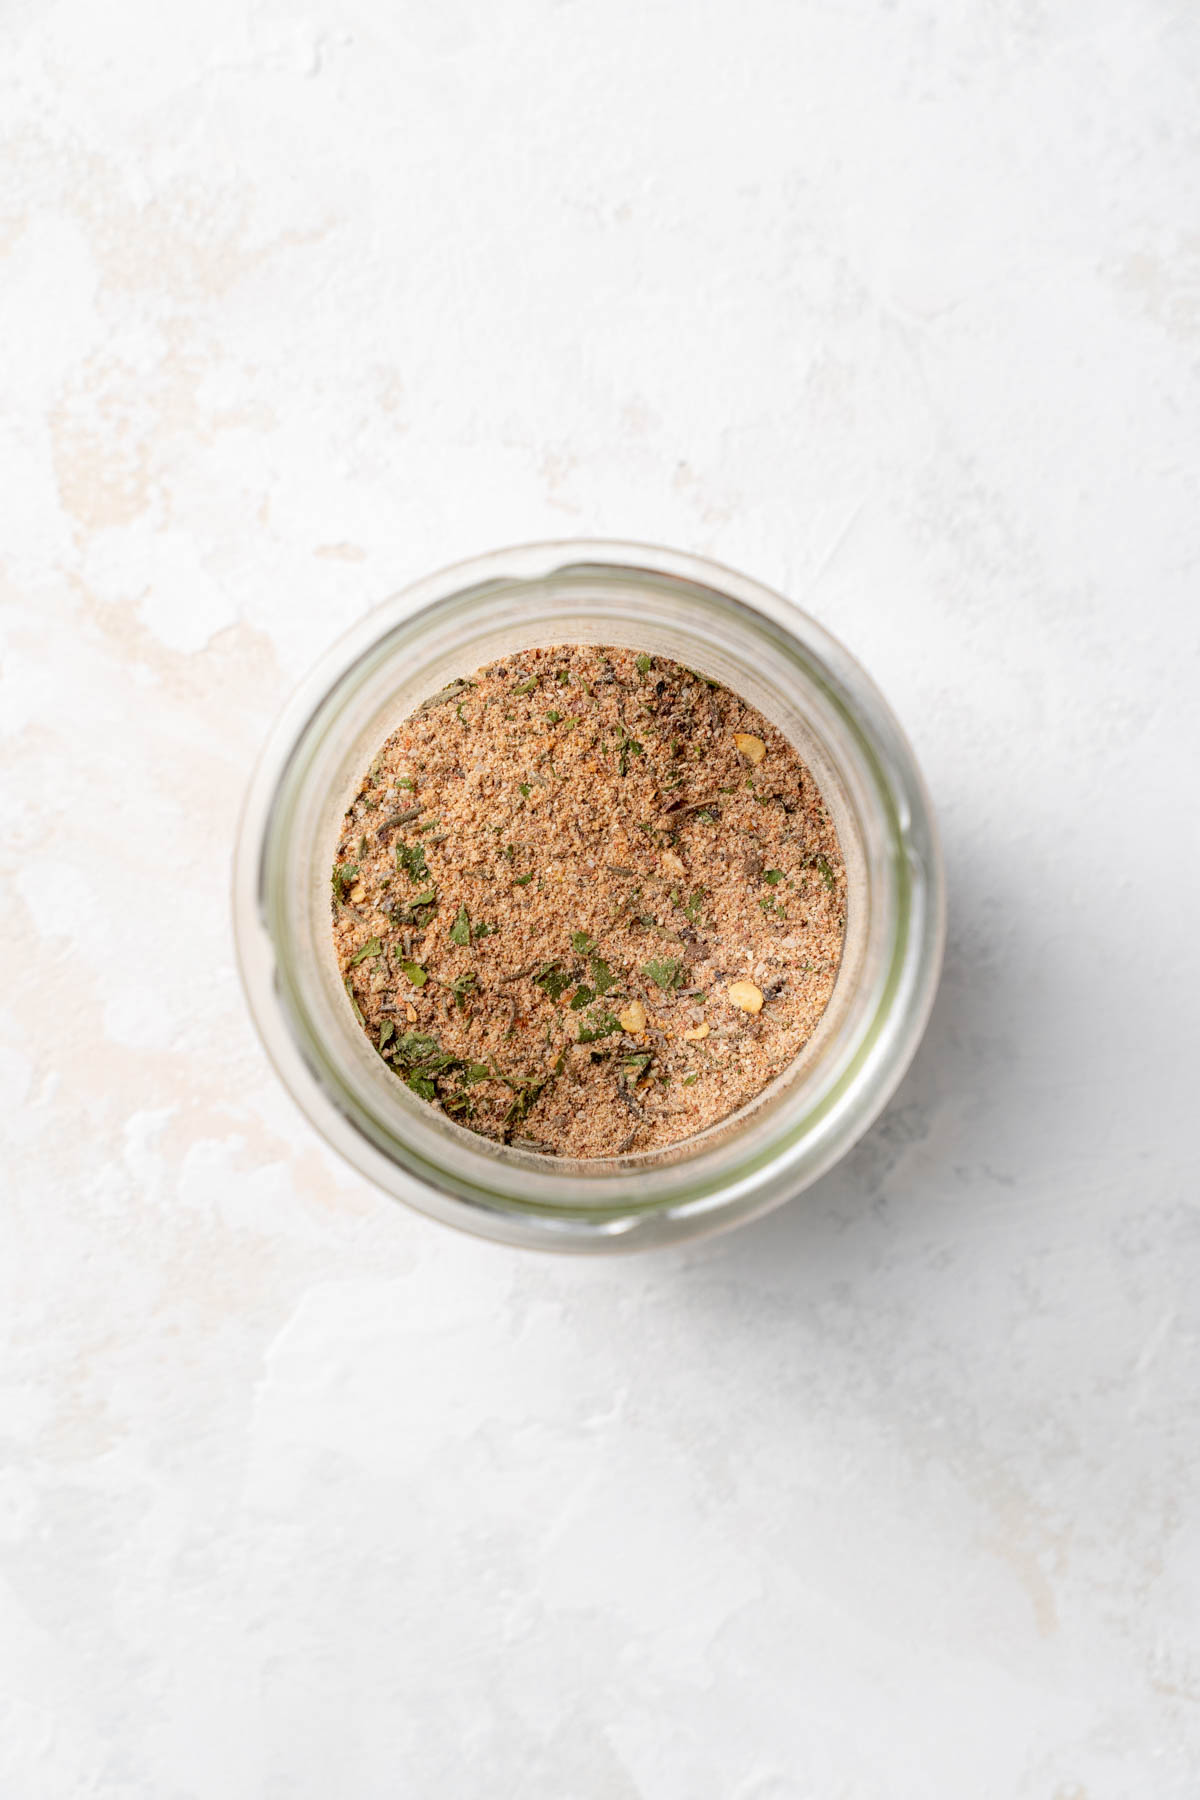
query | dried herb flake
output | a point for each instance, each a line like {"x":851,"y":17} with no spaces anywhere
{"x":451,"y":691}
{"x":553,"y":980}
{"x":601,"y":1025}
{"x":602,"y":976}
{"x":410,"y":858}
{"x":418,"y":910}
{"x":343,"y":879}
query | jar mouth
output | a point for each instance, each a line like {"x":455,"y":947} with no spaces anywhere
{"x":710,"y":619}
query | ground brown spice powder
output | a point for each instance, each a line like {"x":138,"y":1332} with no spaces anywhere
{"x":588,"y":902}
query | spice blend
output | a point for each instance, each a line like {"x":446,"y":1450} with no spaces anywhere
{"x":588,"y":902}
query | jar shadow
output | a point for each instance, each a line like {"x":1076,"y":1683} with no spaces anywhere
{"x":937,"y":1133}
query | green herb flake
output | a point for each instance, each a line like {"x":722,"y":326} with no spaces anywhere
{"x":583,"y":996}
{"x":406,"y":781}
{"x":705,"y":818}
{"x":460,"y":931}
{"x":601,"y":1025}
{"x":461,"y":987}
{"x":602,"y":976}
{"x":773,"y":877}
{"x":523,"y":880}
{"x":688,"y":1079}
{"x":581,"y":943}
{"x":417,"y":910}
{"x":418,"y":1049}
{"x":451,"y":691}
{"x":666,"y":972}
{"x":570,"y":723}
{"x":553,"y":980}
{"x":635,"y":1066}
{"x":349,"y":987}
{"x":372,"y":947}
{"x":527,"y":686}
{"x":476,"y":1071}
{"x":343,"y":878}
{"x":553,"y":717}
{"x":562,"y":677}
{"x":410,"y":859}
{"x":482,"y":931}
{"x":826,"y":873}
{"x":416,"y":974}
{"x":526,"y":1095}
{"x":387,"y":1029}
{"x":695,"y":906}
{"x":643,"y":664}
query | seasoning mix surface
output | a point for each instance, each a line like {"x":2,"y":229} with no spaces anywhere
{"x":588,"y":902}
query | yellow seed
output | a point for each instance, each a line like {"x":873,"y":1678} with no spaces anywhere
{"x":633,"y":1019}
{"x":752,"y":748}
{"x":674,"y":865}
{"x":358,"y":892}
{"x":410,"y":1012}
{"x":696,"y":1034}
{"x":745,"y":995}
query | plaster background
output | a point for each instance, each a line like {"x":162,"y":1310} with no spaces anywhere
{"x":893,"y":1495}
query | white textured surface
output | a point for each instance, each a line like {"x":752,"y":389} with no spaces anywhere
{"x":894,"y":1495}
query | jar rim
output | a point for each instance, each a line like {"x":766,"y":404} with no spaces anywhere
{"x":489,"y":1198}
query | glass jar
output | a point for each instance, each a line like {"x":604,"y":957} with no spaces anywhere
{"x":723,"y":625}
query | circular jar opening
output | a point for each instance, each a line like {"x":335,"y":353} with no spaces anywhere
{"x":724,"y":626}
